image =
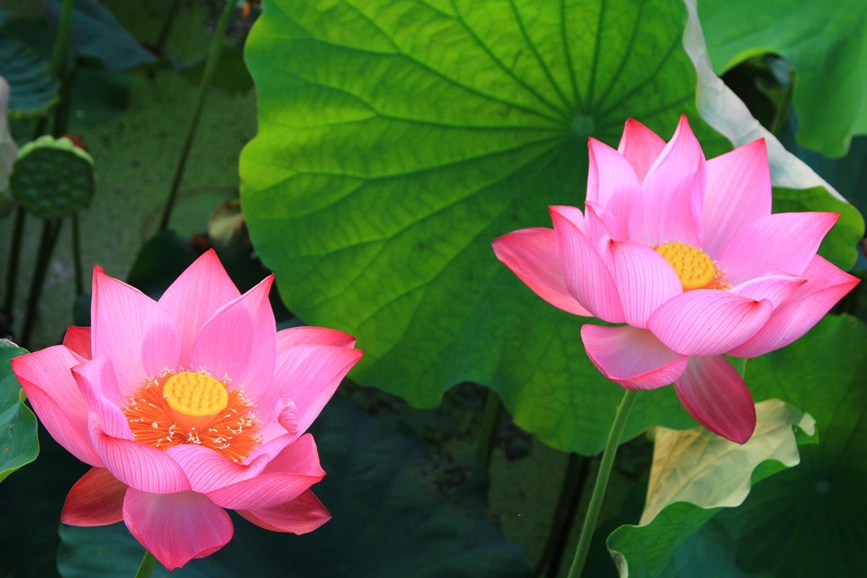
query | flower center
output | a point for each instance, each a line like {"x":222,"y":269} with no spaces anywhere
{"x":193,"y":408}
{"x":692,"y":266}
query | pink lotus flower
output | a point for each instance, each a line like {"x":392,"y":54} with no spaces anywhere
{"x":186,"y":407}
{"x":687,"y":254}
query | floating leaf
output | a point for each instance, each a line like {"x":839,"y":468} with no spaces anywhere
{"x":825,"y":44}
{"x":389,"y":519}
{"x":695,"y":473}
{"x":18,"y":443}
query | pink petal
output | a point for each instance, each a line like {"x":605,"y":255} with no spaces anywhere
{"x":585,"y":273}
{"x":631,"y":357}
{"x":670,"y":205}
{"x":738,"y":191}
{"x":825,"y":286}
{"x":531,"y":254}
{"x":300,"y":516}
{"x":716,"y":396}
{"x":132,"y":330}
{"x":780,"y":243}
{"x":207,"y":470}
{"x":196,"y":295}
{"x":77,"y":339}
{"x":240,"y":340}
{"x":139,"y":466}
{"x":95,"y":500}
{"x":612,"y":185}
{"x":309,"y":335}
{"x":645,"y":280}
{"x":309,"y":376}
{"x":96,"y":378}
{"x":707,"y":321}
{"x":774,"y":288}
{"x":640,"y":146}
{"x":285,"y":478}
{"x":176,"y":528}
{"x":46,"y":378}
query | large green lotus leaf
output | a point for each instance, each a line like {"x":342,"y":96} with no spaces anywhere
{"x":824,"y":41}
{"x":815,"y":515}
{"x":18,"y":442}
{"x":708,"y":553}
{"x":398,"y":139}
{"x":696,"y":473}
{"x":393,"y":514}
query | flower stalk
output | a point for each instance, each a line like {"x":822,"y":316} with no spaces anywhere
{"x":491,"y":417}
{"x":614,"y":437}
{"x":148,"y":563}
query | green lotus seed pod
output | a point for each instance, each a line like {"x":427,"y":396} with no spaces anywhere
{"x":52,"y":178}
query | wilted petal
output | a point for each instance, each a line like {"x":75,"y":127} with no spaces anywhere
{"x":283,"y":479}
{"x":640,"y":146}
{"x":631,"y":357}
{"x":716,"y":396}
{"x":133,"y":331}
{"x":826,"y":284}
{"x":779,"y":243}
{"x":738,"y":191}
{"x":240,"y":340}
{"x":46,"y":378}
{"x":196,"y":295}
{"x":585,"y":274}
{"x":707,"y":321}
{"x":303,"y":514}
{"x":176,"y":528}
{"x":670,"y":205}
{"x":95,"y":500}
{"x":531,"y":254}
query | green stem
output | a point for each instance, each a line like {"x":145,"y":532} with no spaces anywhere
{"x":491,"y":417}
{"x":148,"y":563}
{"x":61,"y":43}
{"x":50,"y":230}
{"x":601,"y":485}
{"x":207,"y":76}
{"x":785,"y":103}
{"x":167,"y":26}
{"x":14,"y":256}
{"x":76,"y":256}
{"x":574,"y":481}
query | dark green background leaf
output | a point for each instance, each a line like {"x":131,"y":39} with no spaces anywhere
{"x":18,"y":442}
{"x":33,"y":91}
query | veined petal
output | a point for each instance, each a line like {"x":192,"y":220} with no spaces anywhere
{"x":774,"y":288}
{"x":716,"y":396}
{"x":631,"y":357}
{"x":300,"y":516}
{"x":96,"y":378}
{"x":176,"y":528}
{"x":139,"y":466}
{"x":196,"y":295}
{"x":207,"y":470}
{"x":46,"y":378}
{"x":132,"y":330}
{"x":708,"y":321}
{"x":738,"y":191}
{"x":779,"y":243}
{"x":669,"y":207}
{"x":285,"y":478}
{"x":240,"y":340}
{"x":309,"y":376}
{"x":531,"y":254}
{"x":645,"y":280}
{"x":612,"y":184}
{"x":640,"y":146}
{"x":309,"y":335}
{"x":77,"y":339}
{"x":825,"y":286}
{"x":586,"y":276}
{"x":95,"y":500}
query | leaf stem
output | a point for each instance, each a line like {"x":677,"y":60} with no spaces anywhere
{"x":167,"y":26}
{"x":14,"y":256}
{"x":148,"y":563}
{"x":491,"y":418}
{"x":207,"y":76}
{"x":601,"y":485}
{"x":50,"y":230}
{"x":76,"y":256}
{"x":61,"y":43}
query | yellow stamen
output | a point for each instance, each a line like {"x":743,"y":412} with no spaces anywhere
{"x":195,"y":394}
{"x":692,"y":266}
